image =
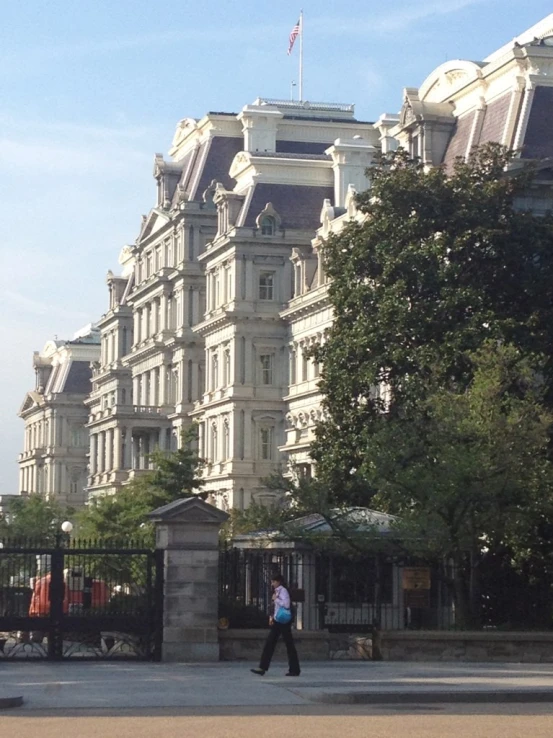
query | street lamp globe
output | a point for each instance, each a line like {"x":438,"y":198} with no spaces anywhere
{"x":67,"y":526}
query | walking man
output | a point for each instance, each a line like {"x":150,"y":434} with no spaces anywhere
{"x":280,"y":622}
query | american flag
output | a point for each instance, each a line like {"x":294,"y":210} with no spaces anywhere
{"x":294,"y":33}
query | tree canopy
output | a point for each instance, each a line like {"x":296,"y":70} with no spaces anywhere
{"x":437,"y":374}
{"x":441,"y":263}
{"x":33,"y":518}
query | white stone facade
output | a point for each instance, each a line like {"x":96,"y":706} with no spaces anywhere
{"x":223,"y":294}
{"x":55,"y":452}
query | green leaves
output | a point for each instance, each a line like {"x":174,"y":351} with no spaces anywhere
{"x":33,"y":518}
{"x":440,"y":265}
{"x":443,"y":300}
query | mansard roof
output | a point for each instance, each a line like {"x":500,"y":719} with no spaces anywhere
{"x":302,"y":147}
{"x":78,"y":378}
{"x":208,"y":161}
{"x":534,"y":129}
{"x":538,"y":140}
{"x":299,"y":206}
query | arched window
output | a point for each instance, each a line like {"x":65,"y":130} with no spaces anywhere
{"x":268,"y":225}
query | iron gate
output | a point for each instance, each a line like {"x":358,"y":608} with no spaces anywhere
{"x":81,"y":601}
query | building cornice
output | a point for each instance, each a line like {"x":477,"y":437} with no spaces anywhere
{"x":306,"y":304}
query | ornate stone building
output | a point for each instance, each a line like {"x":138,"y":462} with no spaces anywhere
{"x":54,"y":458}
{"x":507,"y":98}
{"x":194,"y":329}
{"x":224,"y":292}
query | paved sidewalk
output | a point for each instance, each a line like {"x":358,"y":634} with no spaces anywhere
{"x":137,"y":685}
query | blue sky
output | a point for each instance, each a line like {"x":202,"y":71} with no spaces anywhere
{"x":89,"y":91}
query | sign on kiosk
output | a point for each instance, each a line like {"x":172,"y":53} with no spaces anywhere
{"x":416,"y":577}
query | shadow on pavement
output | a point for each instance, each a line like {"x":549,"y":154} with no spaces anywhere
{"x":291,"y":710}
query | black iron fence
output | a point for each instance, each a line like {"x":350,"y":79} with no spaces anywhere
{"x":333,"y":592}
{"x":84,"y":599}
{"x":341,"y":593}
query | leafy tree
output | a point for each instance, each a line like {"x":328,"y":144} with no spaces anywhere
{"x":33,"y":518}
{"x":124,"y":516}
{"x":444,"y":276}
{"x":441,"y":264}
{"x":467,"y":469}
{"x":257,"y":517}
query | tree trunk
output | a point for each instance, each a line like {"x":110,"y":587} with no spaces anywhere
{"x":475,"y":590}
{"x":461,"y":594}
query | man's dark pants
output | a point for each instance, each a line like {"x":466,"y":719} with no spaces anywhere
{"x":277,"y":630}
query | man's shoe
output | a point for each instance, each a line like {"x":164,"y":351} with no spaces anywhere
{"x":292,"y":673}
{"x":259,"y":672}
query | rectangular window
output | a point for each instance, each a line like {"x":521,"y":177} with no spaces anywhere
{"x":214,"y":371}
{"x":266,"y":361}
{"x":292,"y":367}
{"x":304,"y":364}
{"x":149,"y":264}
{"x":226,"y":369}
{"x":266,"y":285}
{"x":217,"y":288}
{"x":266,"y":443}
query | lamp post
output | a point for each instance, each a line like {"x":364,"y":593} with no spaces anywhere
{"x":66,"y":528}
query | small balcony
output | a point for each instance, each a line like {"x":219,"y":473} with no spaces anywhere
{"x":147,"y":410}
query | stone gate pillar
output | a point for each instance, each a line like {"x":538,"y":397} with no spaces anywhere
{"x":188,"y":533}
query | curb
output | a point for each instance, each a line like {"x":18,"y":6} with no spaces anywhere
{"x":8,"y":702}
{"x":427,"y":697}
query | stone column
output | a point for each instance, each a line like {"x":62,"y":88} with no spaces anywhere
{"x":101,"y":457}
{"x":127,"y":461}
{"x":109,"y":450}
{"x":155,"y":326}
{"x":135,"y":453}
{"x":188,"y":533}
{"x":93,"y":457}
{"x":117,"y":440}
{"x":162,"y":398}
{"x":163,"y":311}
{"x":248,"y":435}
{"x":154,"y":396}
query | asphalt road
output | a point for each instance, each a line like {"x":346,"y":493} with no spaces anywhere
{"x":440,"y":721}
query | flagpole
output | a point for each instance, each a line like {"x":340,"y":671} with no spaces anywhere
{"x":301,"y":56}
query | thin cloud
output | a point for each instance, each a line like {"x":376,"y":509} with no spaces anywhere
{"x":400,"y":19}
{"x":99,"y":47}
{"x":76,"y":130}
{"x":30,"y":305}
{"x":59,"y":158}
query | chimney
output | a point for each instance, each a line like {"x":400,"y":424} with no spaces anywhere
{"x":350,"y":159}
{"x":259,"y":126}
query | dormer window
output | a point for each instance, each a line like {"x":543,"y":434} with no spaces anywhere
{"x":268,"y":220}
{"x":268,"y":226}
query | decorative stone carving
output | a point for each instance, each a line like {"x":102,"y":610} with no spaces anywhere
{"x":209,"y":193}
{"x":351,"y":201}
{"x":268,"y":212}
{"x":184,"y":128}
